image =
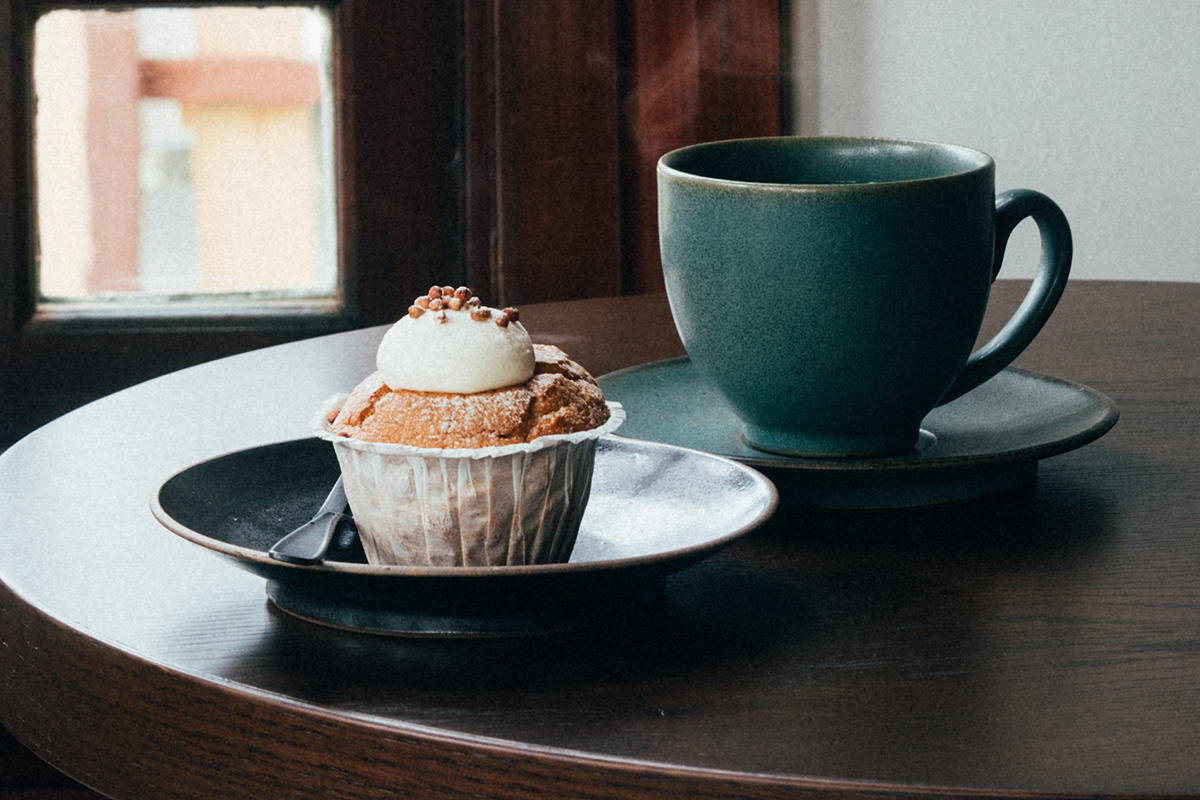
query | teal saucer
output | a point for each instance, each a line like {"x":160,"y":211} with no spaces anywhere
{"x":989,"y":440}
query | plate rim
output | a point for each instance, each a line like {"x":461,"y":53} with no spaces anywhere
{"x":370,"y":571}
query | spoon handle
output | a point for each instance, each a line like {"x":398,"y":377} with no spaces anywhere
{"x":308,"y":543}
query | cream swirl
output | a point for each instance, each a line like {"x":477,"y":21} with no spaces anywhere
{"x":455,"y":351}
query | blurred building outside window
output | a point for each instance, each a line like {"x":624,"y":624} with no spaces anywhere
{"x":184,"y":154}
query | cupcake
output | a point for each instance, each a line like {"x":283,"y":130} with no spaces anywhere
{"x":470,"y":445}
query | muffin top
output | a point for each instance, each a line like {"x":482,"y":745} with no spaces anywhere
{"x":457,"y":374}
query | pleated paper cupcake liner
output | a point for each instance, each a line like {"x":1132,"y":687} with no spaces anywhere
{"x":494,"y":506}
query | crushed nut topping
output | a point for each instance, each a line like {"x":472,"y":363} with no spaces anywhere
{"x":509,"y":314}
{"x":442,"y":298}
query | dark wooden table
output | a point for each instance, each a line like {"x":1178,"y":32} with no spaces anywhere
{"x":1040,"y":643}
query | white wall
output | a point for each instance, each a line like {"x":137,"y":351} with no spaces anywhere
{"x":1097,"y":104}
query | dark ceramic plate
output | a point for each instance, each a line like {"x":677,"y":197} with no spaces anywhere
{"x":986,"y":441}
{"x":654,"y":509}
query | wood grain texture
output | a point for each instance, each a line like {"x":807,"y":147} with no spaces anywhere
{"x":1045,"y":643}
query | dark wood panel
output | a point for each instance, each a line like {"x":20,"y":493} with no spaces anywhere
{"x":556,"y":180}
{"x":567,"y":114}
{"x":699,"y":70}
{"x":478,"y":228}
{"x":399,"y":151}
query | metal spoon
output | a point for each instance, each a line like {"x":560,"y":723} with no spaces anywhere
{"x":308,"y":543}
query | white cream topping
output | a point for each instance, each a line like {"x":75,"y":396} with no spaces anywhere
{"x":448,"y":351}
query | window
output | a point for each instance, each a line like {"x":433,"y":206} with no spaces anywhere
{"x":183,"y":155}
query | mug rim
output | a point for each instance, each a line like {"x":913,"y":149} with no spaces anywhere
{"x":664,"y":168}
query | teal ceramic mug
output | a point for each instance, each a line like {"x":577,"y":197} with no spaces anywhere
{"x":832,"y":289}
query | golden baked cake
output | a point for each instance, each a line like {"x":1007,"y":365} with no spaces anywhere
{"x":469,"y":445}
{"x":561,"y":397}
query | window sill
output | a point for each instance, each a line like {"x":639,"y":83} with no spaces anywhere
{"x":300,"y":317}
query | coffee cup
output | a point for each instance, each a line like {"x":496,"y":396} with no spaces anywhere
{"x":832,"y":289}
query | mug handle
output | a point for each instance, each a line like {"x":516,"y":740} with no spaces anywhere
{"x":1011,"y":208}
